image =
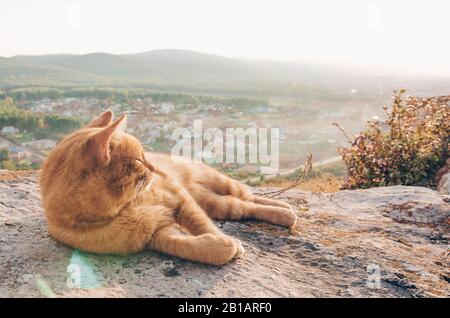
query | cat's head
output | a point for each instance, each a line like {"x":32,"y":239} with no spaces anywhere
{"x":98,"y":167}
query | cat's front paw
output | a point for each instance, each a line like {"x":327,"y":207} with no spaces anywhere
{"x":233,"y":249}
{"x":285,"y":217}
{"x":222,"y":248}
{"x":240,"y":249}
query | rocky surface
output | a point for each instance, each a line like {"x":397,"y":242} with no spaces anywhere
{"x":381,"y":242}
{"x":444,"y":184}
{"x":443,"y":179}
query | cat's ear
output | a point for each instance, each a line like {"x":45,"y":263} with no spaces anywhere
{"x":101,"y":121}
{"x":99,"y":144}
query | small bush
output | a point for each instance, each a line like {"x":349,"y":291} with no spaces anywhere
{"x":408,"y":148}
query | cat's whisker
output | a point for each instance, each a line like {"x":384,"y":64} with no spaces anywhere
{"x":136,"y":188}
{"x":149,"y":183}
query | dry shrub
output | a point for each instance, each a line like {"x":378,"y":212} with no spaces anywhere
{"x":408,"y":148}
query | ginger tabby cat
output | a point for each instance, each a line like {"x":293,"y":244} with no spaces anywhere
{"x":102,"y":193}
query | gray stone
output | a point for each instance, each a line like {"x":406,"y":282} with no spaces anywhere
{"x":444,"y":184}
{"x":380,"y":242}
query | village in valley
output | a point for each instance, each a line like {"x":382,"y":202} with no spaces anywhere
{"x":301,"y":129}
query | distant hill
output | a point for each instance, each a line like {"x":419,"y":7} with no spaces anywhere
{"x":14,"y":72}
{"x":176,"y":66}
{"x":172,"y":69}
{"x":195,"y":64}
{"x":102,"y":64}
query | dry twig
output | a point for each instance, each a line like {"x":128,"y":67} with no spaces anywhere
{"x":343,"y":131}
{"x":299,"y":179}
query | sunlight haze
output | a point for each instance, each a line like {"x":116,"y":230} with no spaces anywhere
{"x":407,"y":35}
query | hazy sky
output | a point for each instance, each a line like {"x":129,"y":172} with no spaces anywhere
{"x":403,"y":33}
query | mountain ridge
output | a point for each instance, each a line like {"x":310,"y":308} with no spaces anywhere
{"x":161,"y":63}
{"x":176,"y":68}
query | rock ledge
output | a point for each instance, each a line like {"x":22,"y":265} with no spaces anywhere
{"x":381,"y":242}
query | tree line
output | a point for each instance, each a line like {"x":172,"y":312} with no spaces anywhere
{"x":29,"y":121}
{"x":123,"y":95}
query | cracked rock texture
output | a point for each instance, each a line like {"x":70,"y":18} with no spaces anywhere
{"x":381,"y":242}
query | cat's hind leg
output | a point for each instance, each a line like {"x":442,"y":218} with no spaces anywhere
{"x":266,"y":201}
{"x":221,"y":184}
{"x":224,"y":185}
{"x":191,"y":216}
{"x":206,"y":248}
{"x":227,"y":207}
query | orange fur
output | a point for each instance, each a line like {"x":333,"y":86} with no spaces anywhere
{"x":103,"y":194}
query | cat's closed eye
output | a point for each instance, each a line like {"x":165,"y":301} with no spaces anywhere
{"x":138,"y":162}
{"x":144,"y":163}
